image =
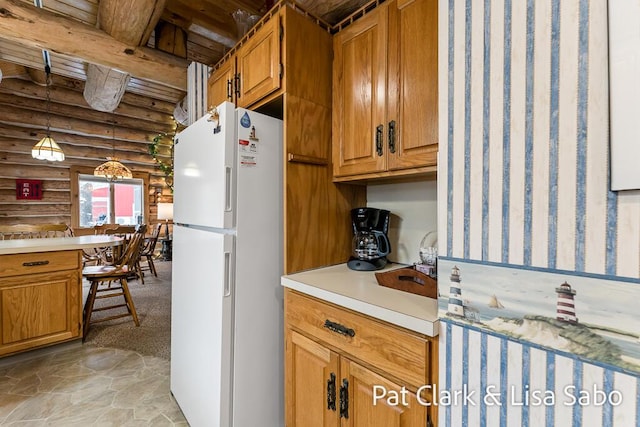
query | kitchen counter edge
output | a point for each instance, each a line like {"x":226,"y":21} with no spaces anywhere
{"x":23,"y":246}
{"x":359,"y":291}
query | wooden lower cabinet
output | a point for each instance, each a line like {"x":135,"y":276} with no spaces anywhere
{"x":39,"y":307}
{"x":328,"y":386}
{"x":393,"y":407}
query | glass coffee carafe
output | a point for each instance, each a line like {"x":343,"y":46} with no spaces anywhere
{"x":370,"y":245}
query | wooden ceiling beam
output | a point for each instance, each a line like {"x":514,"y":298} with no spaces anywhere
{"x":25,"y":24}
{"x":130,"y":21}
{"x":9,"y":132}
{"x":126,"y":115}
{"x":15,"y":149}
{"x":36,"y":119}
{"x":87,"y":114}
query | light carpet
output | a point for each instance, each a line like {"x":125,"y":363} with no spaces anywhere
{"x":153,"y":305}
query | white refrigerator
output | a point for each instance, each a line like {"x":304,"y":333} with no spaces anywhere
{"x":227,"y":304}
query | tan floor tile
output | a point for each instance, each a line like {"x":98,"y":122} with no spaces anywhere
{"x":27,"y":386}
{"x":88,"y":386}
{"x":40,"y":406}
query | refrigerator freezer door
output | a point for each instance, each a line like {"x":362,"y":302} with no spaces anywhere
{"x":204,"y":175}
{"x":202,"y":325}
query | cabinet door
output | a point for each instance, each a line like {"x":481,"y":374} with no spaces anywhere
{"x":39,"y":309}
{"x":258,"y":63}
{"x":311,"y":383}
{"x":387,"y":412}
{"x":359,"y":95}
{"x":220,"y":85}
{"x":412,"y":84}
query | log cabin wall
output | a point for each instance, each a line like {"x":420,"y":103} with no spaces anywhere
{"x":87,"y":137}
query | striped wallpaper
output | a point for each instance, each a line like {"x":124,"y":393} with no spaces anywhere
{"x":524,"y":163}
{"x":524,"y":183}
{"x":500,"y":374}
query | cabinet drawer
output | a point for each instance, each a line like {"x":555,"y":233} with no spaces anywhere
{"x":378,"y":344}
{"x":38,"y":262}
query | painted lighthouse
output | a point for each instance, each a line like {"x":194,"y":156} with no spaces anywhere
{"x":565,"y":309}
{"x":456,"y":305}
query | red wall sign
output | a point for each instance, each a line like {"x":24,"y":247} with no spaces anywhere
{"x":29,"y":189}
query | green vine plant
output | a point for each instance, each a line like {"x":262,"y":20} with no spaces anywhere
{"x":166,"y":168}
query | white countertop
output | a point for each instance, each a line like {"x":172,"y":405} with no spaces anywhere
{"x":21,"y":246}
{"x":359,"y":291}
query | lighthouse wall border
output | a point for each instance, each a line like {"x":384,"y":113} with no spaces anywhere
{"x":523,"y":182}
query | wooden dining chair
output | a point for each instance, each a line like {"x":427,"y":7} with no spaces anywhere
{"x":110,"y":281}
{"x":34,"y":231}
{"x":148,"y":251}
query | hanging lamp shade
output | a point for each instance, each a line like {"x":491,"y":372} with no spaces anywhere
{"x":47,"y":149}
{"x":113,"y":170}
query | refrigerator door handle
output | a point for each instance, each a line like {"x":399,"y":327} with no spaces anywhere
{"x":227,"y":196}
{"x":227,"y":274}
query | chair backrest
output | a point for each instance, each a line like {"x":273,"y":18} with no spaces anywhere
{"x":150,"y":246}
{"x":121,"y":230}
{"x":131,"y":252}
{"x":34,"y":231}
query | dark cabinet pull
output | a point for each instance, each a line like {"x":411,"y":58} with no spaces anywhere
{"x":331,"y":392}
{"x":34,"y":263}
{"x":237,"y":81}
{"x":392,"y":136}
{"x":337,"y":327}
{"x":379,"y":130}
{"x":229,"y":88}
{"x":344,"y":399}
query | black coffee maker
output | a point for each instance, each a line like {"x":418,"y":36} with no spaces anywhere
{"x":370,"y":242}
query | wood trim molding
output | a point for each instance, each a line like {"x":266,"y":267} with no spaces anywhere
{"x":74,"y":171}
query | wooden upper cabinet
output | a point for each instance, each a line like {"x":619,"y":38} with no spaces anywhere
{"x":413,"y":83}
{"x":385,"y":118}
{"x":220,"y":85}
{"x":359,"y":73}
{"x":258,"y":64}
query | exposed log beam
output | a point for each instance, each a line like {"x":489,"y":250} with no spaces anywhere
{"x":8,"y":132}
{"x":10,"y":70}
{"x":10,"y":184}
{"x":87,"y":114}
{"x":60,"y":95}
{"x":130,"y":21}
{"x":140,"y":101}
{"x":26,"y":24}
{"x":13,"y":148}
{"x":26,"y":159}
{"x":24,"y":117}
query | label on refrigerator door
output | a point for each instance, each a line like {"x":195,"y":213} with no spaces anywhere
{"x":248,"y":151}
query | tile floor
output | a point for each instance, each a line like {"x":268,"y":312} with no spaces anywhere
{"x":86,"y":385}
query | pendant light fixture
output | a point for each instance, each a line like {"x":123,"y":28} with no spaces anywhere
{"x":46,"y":148}
{"x":112,"y":169}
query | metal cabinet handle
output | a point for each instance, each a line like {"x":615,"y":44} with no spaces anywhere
{"x":344,"y":399}
{"x":379,"y":130}
{"x":34,"y":263}
{"x":337,"y":327}
{"x":392,"y":136}
{"x":331,"y":392}
{"x":237,"y":81}
{"x":229,"y":90}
